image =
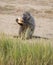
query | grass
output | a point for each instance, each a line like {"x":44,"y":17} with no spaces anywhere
{"x":14,"y":51}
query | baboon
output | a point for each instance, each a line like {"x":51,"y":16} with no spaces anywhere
{"x":27,"y":25}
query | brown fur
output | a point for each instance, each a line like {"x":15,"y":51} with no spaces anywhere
{"x":27,"y":25}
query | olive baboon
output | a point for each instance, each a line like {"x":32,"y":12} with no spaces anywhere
{"x":27,"y":25}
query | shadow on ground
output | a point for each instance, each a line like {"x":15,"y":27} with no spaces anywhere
{"x":34,"y":37}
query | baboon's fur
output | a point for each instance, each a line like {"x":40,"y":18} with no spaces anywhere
{"x":27,"y":25}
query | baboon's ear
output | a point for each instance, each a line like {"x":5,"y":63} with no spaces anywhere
{"x":17,"y":20}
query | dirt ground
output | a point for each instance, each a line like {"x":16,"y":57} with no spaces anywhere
{"x":42,"y":10}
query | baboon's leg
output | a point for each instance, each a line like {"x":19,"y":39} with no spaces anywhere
{"x":29,"y":32}
{"x":21,"y":32}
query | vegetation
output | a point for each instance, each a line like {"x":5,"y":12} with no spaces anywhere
{"x":14,"y":51}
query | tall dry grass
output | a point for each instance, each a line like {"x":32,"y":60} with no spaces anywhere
{"x":22,"y":52}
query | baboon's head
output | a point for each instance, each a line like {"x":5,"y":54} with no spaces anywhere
{"x":20,"y":21}
{"x":26,"y":16}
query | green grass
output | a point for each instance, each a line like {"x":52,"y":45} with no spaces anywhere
{"x":14,"y":51}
